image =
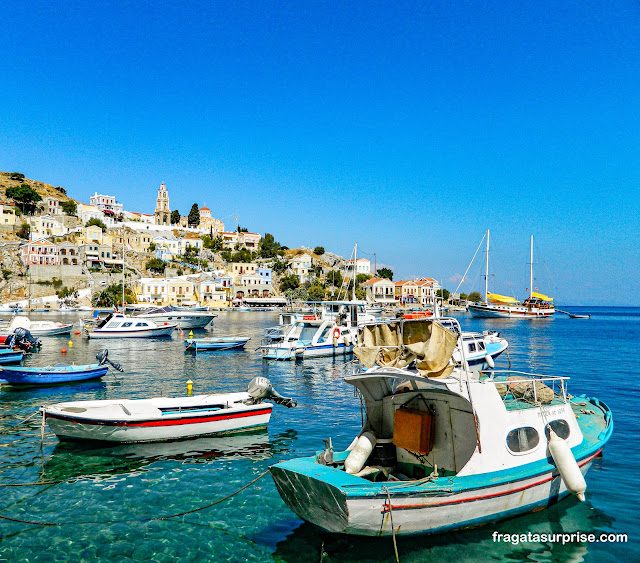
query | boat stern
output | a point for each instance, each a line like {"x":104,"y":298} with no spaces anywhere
{"x":313,"y":492}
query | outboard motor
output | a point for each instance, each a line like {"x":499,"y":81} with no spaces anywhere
{"x":261,"y":388}
{"x":23,"y":339}
{"x":102,"y":358}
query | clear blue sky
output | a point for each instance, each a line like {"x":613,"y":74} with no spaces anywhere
{"x":410,"y":128}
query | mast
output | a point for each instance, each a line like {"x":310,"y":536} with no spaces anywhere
{"x":531,"y":269}
{"x":123,"y":273}
{"x":355,"y":256}
{"x":486,"y":273}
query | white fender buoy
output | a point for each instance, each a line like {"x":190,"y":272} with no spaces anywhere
{"x":567,"y":465}
{"x":335,"y":342}
{"x":489,"y":361}
{"x":360,"y":453}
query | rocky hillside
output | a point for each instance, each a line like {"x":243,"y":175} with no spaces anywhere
{"x":11,"y":179}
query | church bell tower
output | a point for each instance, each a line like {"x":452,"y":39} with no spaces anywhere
{"x":163,"y":212}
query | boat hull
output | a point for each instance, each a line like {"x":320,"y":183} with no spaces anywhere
{"x":11,"y":357}
{"x":369,"y":514}
{"x":318,"y":351}
{"x":216,"y":344}
{"x":70,"y":428}
{"x":44,"y":376}
{"x":152,"y":332}
{"x":509,"y":312}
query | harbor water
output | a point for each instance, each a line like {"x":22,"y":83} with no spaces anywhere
{"x":100,"y":501}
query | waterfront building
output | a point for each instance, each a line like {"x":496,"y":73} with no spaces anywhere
{"x":237,"y":269}
{"x":107,"y":204}
{"x":427,"y":290}
{"x":379,"y":290}
{"x":265,"y":273}
{"x":163,"y":211}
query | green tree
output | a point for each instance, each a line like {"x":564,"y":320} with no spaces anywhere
{"x":463,"y":297}
{"x":24,"y":230}
{"x":385,"y":273}
{"x":319,"y":250}
{"x":65,"y":292}
{"x":194,"y":216}
{"x":279,"y":266}
{"x":362,"y":278}
{"x":216,"y":244}
{"x":242,"y":229}
{"x":17,"y":176}
{"x":243,"y":255}
{"x":69,"y":207}
{"x":292,"y":281}
{"x":475,"y":297}
{"x":96,"y":222}
{"x":111,"y":296}
{"x":156,"y":265}
{"x":25,"y":197}
{"x":444,"y":293}
{"x":268,"y":246}
{"x":334,"y":277}
{"x":316,"y":293}
{"x":152,"y":247}
{"x":175,"y":216}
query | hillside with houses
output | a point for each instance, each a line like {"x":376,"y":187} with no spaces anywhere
{"x":51,"y":244}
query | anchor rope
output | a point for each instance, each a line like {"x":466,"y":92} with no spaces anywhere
{"x":393,"y":530}
{"x":167,"y":517}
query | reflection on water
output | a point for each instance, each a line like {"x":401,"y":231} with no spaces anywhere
{"x":130,"y":483}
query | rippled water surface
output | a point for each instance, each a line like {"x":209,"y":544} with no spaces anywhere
{"x":109,"y":495}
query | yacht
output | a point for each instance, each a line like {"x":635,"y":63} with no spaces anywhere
{"x":182,"y":319}
{"x":118,"y":325}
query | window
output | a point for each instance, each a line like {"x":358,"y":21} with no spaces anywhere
{"x":126,"y":324}
{"x":472,"y":347}
{"x":560,"y":427}
{"x":142,"y":324}
{"x":113,"y":325}
{"x":522,"y":440}
{"x":481,"y":346}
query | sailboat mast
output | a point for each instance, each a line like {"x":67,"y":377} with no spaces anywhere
{"x":531,"y":269}
{"x":123,"y":273}
{"x":486,"y":273}
{"x":355,"y":257}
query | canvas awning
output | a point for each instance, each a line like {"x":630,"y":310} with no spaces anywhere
{"x":400,"y":343}
{"x":541,"y":296}
{"x":495,"y":298}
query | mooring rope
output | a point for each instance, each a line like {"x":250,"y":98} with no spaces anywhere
{"x":393,"y":530}
{"x":35,"y":523}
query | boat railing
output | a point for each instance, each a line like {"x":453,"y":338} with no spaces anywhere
{"x":558,"y":382}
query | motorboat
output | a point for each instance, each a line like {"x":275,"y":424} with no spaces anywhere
{"x":118,"y":325}
{"x":182,"y":319}
{"x":39,"y":328}
{"x":190,"y":306}
{"x":59,"y":373}
{"x":165,"y":418}
{"x":219,"y":343}
{"x":66,"y":308}
{"x":443,"y":447}
{"x":475,"y":348}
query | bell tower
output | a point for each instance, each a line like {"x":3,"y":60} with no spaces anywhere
{"x":163,"y":212}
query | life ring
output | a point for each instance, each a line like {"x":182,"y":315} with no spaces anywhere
{"x":336,"y":332}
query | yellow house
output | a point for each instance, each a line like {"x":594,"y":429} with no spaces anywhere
{"x":8,"y":215}
{"x":93,"y":235}
{"x":179,"y":290}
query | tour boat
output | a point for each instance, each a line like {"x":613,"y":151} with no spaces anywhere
{"x":117,"y":325}
{"x":537,"y":305}
{"x":182,"y":319}
{"x":58,"y":373}
{"x":39,"y":328}
{"x":163,"y":418}
{"x":444,"y":447}
{"x":219,"y":343}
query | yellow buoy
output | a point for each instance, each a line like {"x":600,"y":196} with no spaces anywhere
{"x":70,"y":344}
{"x":190,"y":334}
{"x":189,"y":386}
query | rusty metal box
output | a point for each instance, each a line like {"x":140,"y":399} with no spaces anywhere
{"x":413,"y":430}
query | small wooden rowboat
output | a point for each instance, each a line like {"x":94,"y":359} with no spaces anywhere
{"x":58,"y":373}
{"x":163,"y":418}
{"x":10,"y":356}
{"x":220,"y":343}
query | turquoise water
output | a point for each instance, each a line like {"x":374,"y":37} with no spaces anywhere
{"x":109,"y":495}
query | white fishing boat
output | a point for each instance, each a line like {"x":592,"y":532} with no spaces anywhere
{"x":38,"y":328}
{"x":535,"y":306}
{"x":182,"y":319}
{"x":66,"y":308}
{"x":443,"y":447}
{"x":163,"y":418}
{"x":117,"y":325}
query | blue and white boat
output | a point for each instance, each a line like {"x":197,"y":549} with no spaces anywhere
{"x":10,"y":356}
{"x":58,"y":373}
{"x":444,"y":447}
{"x":220,"y":343}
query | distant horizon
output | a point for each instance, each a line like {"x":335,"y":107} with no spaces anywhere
{"x":409,"y":129}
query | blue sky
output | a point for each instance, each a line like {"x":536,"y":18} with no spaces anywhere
{"x":408,"y":127}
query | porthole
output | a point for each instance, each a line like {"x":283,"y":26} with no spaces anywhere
{"x":523,"y":439}
{"x":560,"y":427}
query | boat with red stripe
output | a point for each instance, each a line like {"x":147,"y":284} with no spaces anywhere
{"x":165,"y":418}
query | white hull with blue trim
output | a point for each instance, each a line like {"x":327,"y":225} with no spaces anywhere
{"x":444,"y":448}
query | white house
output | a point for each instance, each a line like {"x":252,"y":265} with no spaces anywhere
{"x":170,"y":247}
{"x":86,"y":212}
{"x":301,"y":266}
{"x":107,"y":204}
{"x":247,"y":240}
{"x":379,"y":290}
{"x":361,"y":265}
{"x":51,"y":206}
{"x":44,"y":226}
